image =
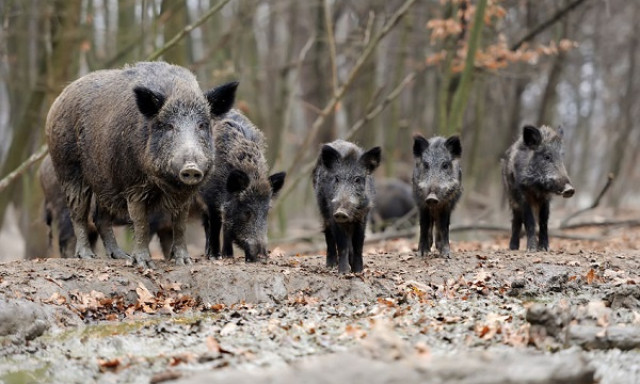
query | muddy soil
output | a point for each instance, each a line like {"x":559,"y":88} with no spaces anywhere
{"x":484,"y":315}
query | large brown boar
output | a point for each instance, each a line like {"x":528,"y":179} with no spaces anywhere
{"x":139,"y":139}
{"x":533,"y":171}
{"x":239,"y":192}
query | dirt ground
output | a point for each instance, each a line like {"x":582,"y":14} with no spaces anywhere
{"x":486,"y":315}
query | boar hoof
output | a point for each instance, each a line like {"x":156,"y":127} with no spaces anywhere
{"x":143,"y":260}
{"x":119,"y":254}
{"x":214,"y":257}
{"x":180,"y":256}
{"x":183,"y":261}
{"x":85,"y":254}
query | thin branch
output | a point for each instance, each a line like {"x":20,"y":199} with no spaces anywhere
{"x":370,"y":115}
{"x":546,"y":24}
{"x":317,"y":124}
{"x":22,"y":168}
{"x":212,"y":11}
{"x":595,"y":203}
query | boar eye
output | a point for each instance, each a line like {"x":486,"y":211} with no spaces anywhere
{"x":168,"y":126}
{"x":547,"y":157}
{"x":203,"y":126}
{"x":358,"y":179}
{"x":336,"y":178}
{"x":426,"y":165}
{"x":446,"y":166}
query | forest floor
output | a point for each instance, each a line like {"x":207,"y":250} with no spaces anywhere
{"x":486,"y":315}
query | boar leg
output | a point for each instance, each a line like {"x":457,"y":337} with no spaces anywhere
{"x":227,"y":243}
{"x":530,"y":227}
{"x":165,"y":236}
{"x":442,"y":232}
{"x":332,"y":253}
{"x":78,"y":200}
{"x":358,"y":243}
{"x":343,"y":242}
{"x":140,"y":218}
{"x":214,"y":225}
{"x":543,"y":243}
{"x":426,"y":232}
{"x":179,"y":250}
{"x":105,"y":229}
{"x":516,"y":226}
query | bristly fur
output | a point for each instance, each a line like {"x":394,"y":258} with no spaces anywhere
{"x":437,"y":187}
{"x":532,"y":171}
{"x":125,"y":135}
{"x":240,"y":190}
{"x":344,"y":188}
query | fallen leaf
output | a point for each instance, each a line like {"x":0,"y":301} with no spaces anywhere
{"x":109,"y":365}
{"x":144,"y":296}
{"x":56,"y":298}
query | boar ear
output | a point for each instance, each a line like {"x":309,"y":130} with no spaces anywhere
{"x":420,"y":144}
{"x":149,"y":102}
{"x":454,"y":146}
{"x":237,"y":181}
{"x":221,"y":98}
{"x":531,"y":136}
{"x":329,"y":156}
{"x":371,"y":159}
{"x":277,"y":181}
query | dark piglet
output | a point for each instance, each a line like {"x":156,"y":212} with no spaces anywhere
{"x":533,"y":170}
{"x":57,"y":215}
{"x":437,"y":187}
{"x":238,"y":194}
{"x":343,"y":183}
{"x":139,"y":140}
{"x":393,"y":201}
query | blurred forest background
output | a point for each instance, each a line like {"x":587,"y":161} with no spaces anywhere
{"x":371,"y":71}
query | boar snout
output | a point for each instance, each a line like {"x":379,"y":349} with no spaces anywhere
{"x":341,"y":215}
{"x":568,"y":191}
{"x":191,"y":174}
{"x":432,"y":199}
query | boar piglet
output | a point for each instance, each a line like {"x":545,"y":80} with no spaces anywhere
{"x":343,"y":183}
{"x":437,"y":187}
{"x":139,"y":140}
{"x":533,"y":170}
{"x":393,"y":201}
{"x":238,"y":194}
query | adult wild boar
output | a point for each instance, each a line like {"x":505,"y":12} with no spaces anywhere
{"x":343,"y":183}
{"x":139,"y":138}
{"x":437,"y":187}
{"x":532,"y":171}
{"x":239,"y":192}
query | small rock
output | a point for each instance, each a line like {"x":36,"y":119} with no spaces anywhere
{"x":518,"y":283}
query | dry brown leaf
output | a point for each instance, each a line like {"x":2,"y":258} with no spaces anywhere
{"x":591,"y":275}
{"x":144,"y":296}
{"x":56,"y":298}
{"x":112,"y":365}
